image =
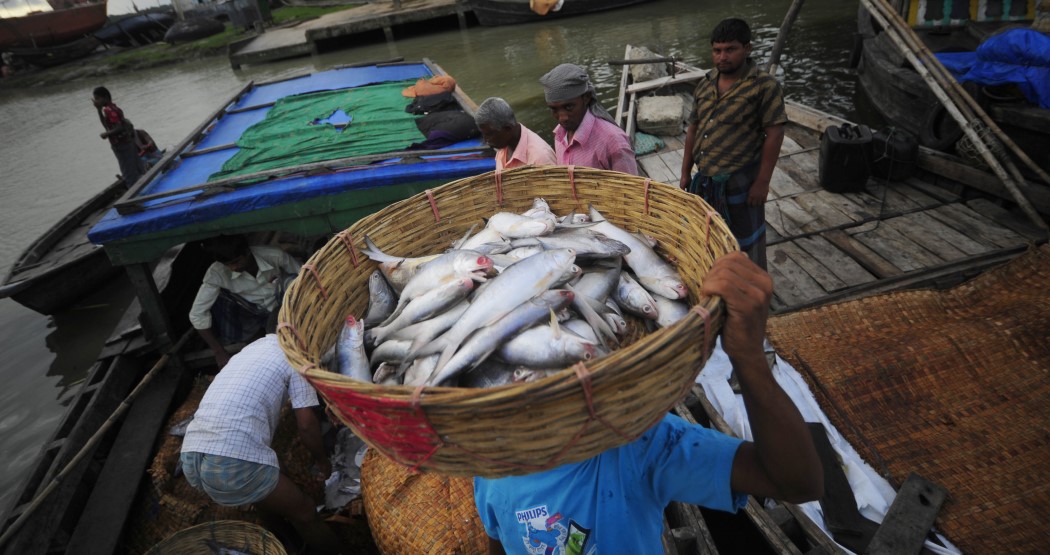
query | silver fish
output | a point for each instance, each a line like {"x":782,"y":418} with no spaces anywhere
{"x":350,"y":351}
{"x":423,"y":332}
{"x":515,"y":226}
{"x":396,"y":269}
{"x":670,"y":310}
{"x":453,"y":264}
{"x":546,"y":346}
{"x":427,"y":305}
{"x":587,"y":243}
{"x":653,"y":272}
{"x":484,"y":341}
{"x":390,"y":351}
{"x":529,"y":375}
{"x":599,"y":280}
{"x":634,"y":298}
{"x":388,"y":374}
{"x":486,"y":235}
{"x":490,"y":373}
{"x":520,"y":282}
{"x":421,"y":369}
{"x":381,"y":299}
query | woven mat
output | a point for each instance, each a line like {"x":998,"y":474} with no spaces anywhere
{"x":952,"y":385}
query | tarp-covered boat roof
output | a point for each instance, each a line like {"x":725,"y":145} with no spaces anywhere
{"x":326,"y":181}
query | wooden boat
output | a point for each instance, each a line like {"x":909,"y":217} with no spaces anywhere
{"x":50,"y":56}
{"x":901,"y":96}
{"x":64,"y":23}
{"x":144,"y":28}
{"x":509,"y":12}
{"x":932,"y":230}
{"x":62,"y":266}
{"x":172,"y":207}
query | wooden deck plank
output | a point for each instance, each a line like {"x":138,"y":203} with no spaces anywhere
{"x":896,"y":247}
{"x":844,"y":267}
{"x":927,"y":236}
{"x":829,"y":214}
{"x":916,"y":195}
{"x":789,"y":146}
{"x":892,"y":201}
{"x":787,"y":217}
{"x":932,"y":190}
{"x":782,"y":185}
{"x":929,"y":224}
{"x":790,"y":281}
{"x":869,"y":259}
{"x":962,"y":218}
{"x":813,"y":266}
{"x":1003,"y":217}
{"x":859,"y":206}
{"x":655,"y":168}
{"x":673,"y":160}
{"x":809,"y":164}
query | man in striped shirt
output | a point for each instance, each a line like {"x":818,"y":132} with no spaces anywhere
{"x":735,"y":131}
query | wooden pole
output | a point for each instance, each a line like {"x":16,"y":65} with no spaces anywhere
{"x":961,"y":96}
{"x":778,"y":45}
{"x":891,"y":28}
{"x":113,"y":418}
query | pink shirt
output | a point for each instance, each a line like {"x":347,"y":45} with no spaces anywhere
{"x":531,"y":149}
{"x":596,"y":144}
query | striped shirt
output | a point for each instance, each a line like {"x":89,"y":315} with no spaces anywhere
{"x":238,"y":415}
{"x":595,"y":144}
{"x":531,"y":149}
{"x":730,"y":129}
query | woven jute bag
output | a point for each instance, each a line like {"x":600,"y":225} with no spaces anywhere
{"x":419,"y":512}
{"x":231,"y":534}
{"x":515,"y":429}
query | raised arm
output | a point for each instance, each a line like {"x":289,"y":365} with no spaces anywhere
{"x":782,"y":462}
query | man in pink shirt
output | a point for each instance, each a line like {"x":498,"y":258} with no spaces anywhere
{"x":586,"y":134}
{"x":515,"y":144}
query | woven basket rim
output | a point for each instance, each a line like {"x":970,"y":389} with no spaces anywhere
{"x":705,"y":312}
{"x":235,"y":534}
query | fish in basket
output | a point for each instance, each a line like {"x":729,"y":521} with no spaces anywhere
{"x":556,"y":417}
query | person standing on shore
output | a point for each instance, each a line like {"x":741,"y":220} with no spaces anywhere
{"x":515,"y":144}
{"x":735,"y":131}
{"x":586,"y":134}
{"x":121,"y":135}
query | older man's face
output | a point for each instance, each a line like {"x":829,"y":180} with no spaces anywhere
{"x":495,"y":136}
{"x":569,"y":113}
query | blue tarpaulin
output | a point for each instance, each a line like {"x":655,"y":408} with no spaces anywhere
{"x":1018,"y":56}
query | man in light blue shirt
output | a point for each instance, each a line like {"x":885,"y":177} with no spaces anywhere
{"x":613,"y":502}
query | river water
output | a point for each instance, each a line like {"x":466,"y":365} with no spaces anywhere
{"x":52,"y":159}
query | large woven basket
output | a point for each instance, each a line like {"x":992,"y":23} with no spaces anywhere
{"x":411,"y":513}
{"x":232,"y":534}
{"x":516,"y":429}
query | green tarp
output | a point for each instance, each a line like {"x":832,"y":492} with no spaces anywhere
{"x":295,"y":131}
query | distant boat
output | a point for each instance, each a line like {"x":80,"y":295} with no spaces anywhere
{"x":66,"y":22}
{"x":509,"y":12}
{"x":144,"y":28}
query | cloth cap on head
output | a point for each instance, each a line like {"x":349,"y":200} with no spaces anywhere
{"x":569,"y":81}
{"x":565,"y":82}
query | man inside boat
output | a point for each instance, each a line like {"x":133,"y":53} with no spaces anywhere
{"x":240,"y":293}
{"x":614,"y":502}
{"x":121,"y":135}
{"x":226,"y":452}
{"x":735,"y":131}
{"x":586,"y":134}
{"x":515,"y":144}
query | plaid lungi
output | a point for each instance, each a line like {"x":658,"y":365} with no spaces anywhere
{"x":727,"y":193}
{"x":228,"y":481}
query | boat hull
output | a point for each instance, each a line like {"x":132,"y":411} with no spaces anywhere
{"x":510,"y":12}
{"x":906,"y":102}
{"x":52,"y":28}
{"x":62,"y":266}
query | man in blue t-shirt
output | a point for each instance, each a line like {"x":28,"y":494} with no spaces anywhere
{"x":613,"y":502}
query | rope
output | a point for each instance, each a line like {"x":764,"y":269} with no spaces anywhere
{"x":433,"y":205}
{"x":317,"y":279}
{"x":584,"y":376}
{"x":349,"y":244}
{"x":295,"y":334}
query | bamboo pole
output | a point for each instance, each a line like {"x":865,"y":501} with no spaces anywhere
{"x":778,"y":44}
{"x":891,"y":28}
{"x":120,"y":410}
{"x":946,"y":78}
